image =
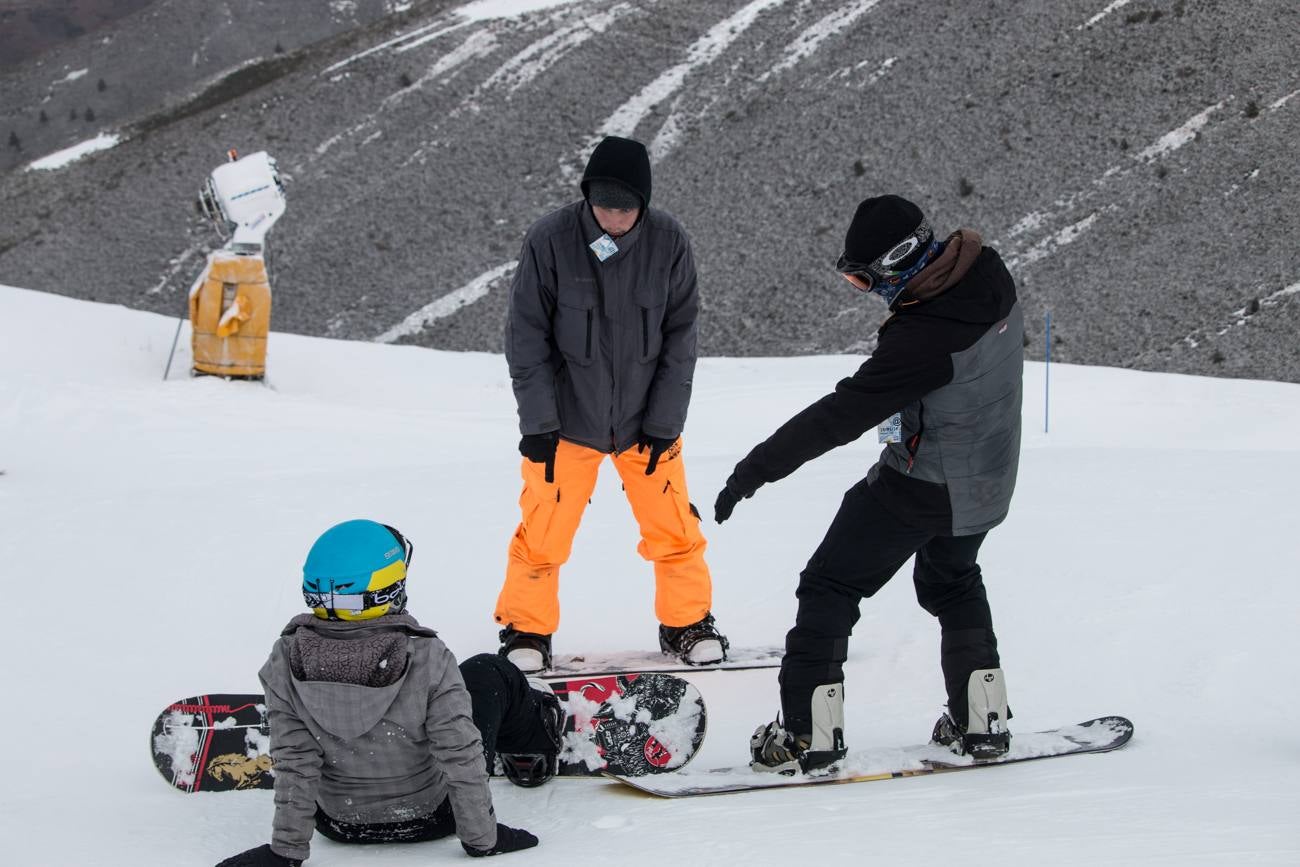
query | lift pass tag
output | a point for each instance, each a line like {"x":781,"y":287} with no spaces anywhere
{"x":603,"y":247}
{"x":891,"y":429}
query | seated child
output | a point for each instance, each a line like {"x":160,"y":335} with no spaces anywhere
{"x":374,"y":735}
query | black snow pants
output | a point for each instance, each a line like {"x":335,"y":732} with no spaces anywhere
{"x":507,"y":712}
{"x":441,"y":824}
{"x":865,"y":545}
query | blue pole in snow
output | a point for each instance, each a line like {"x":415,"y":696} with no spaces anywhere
{"x":1047,"y":372}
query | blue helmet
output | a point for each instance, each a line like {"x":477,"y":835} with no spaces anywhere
{"x":357,"y":571}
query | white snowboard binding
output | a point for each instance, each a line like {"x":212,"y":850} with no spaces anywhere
{"x":772,"y":749}
{"x":986,"y":735}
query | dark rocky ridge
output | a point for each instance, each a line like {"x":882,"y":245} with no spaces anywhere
{"x":29,"y":28}
{"x":1138,"y":174}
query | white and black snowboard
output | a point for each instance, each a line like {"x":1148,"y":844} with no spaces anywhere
{"x":653,"y":661}
{"x":1094,"y":736}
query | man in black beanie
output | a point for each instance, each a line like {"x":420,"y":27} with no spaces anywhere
{"x":600,"y":339}
{"x":944,"y":386}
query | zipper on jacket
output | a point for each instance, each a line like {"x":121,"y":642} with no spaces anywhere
{"x":589,"y":334}
{"x":914,"y":441}
{"x":645,"y":332}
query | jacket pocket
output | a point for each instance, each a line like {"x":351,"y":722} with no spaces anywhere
{"x":649,"y":309}
{"x":576,"y":329}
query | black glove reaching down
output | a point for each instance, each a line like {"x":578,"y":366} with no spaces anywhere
{"x":656,"y":445}
{"x":262,"y":856}
{"x":508,"y":840}
{"x":540,"y":449}
{"x":728,"y":497}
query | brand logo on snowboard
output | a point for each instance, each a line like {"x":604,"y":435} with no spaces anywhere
{"x":656,"y":753}
{"x":243,"y":771}
{"x":200,"y":708}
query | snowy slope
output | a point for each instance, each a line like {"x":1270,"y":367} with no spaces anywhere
{"x":151,"y":536}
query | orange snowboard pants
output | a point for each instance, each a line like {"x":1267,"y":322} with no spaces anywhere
{"x":670,"y":536}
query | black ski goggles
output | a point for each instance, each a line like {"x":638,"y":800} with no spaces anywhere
{"x":881,"y":275}
{"x":331,"y":601}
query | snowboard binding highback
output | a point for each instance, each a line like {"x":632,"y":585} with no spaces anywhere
{"x":985,"y":735}
{"x":772,"y":749}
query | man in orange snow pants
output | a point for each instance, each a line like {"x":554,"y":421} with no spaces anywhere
{"x":600,"y":338}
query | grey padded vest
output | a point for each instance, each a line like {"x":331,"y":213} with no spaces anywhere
{"x":969,"y":430}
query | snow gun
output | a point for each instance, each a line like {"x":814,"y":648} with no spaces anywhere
{"x":243,"y":199}
{"x":230,"y":302}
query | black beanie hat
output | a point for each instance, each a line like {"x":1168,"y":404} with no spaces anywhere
{"x":622,"y":161}
{"x":603,"y":193}
{"x":878,"y":225}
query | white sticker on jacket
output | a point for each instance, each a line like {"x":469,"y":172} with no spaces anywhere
{"x":603,"y":247}
{"x":891,"y":429}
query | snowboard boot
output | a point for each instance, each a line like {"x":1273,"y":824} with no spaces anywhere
{"x":985,"y":735}
{"x":535,"y":768}
{"x":773,"y":749}
{"x":529,"y":769}
{"x":529,"y":652}
{"x":699,"y":643}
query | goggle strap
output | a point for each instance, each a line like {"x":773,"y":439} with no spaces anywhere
{"x":408,"y":547}
{"x":331,"y":601}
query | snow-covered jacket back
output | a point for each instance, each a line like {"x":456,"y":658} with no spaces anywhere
{"x":371,"y":720}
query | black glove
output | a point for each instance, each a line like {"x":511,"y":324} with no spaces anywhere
{"x":728,"y":497}
{"x":508,"y":840}
{"x":262,"y":856}
{"x":540,"y":449}
{"x":657,"y":446}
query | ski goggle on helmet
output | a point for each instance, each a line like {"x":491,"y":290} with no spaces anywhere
{"x":888,"y":273}
{"x":357,"y":571}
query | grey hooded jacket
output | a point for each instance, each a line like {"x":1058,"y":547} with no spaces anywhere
{"x":601,"y":351}
{"x":371,"y":720}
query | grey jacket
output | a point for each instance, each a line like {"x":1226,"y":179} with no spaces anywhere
{"x":600,"y":351}
{"x":371,"y":720}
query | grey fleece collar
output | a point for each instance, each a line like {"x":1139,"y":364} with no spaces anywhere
{"x":364,"y":653}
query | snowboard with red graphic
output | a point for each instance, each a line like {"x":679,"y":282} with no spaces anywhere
{"x":214,"y":743}
{"x":627,"y":724}
{"x":640,"y":723}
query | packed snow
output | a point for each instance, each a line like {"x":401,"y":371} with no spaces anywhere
{"x":1110,"y":7}
{"x":808,"y":41}
{"x":485,"y":10}
{"x":70,"y":155}
{"x":447,"y":305}
{"x":153,"y":533}
{"x":702,"y":52}
{"x":1176,"y":138}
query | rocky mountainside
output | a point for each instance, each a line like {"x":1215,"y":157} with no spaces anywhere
{"x":69,"y":68}
{"x":1134,"y":161}
{"x":29,"y":28}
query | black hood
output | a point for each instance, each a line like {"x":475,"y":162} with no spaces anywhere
{"x":623,"y":161}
